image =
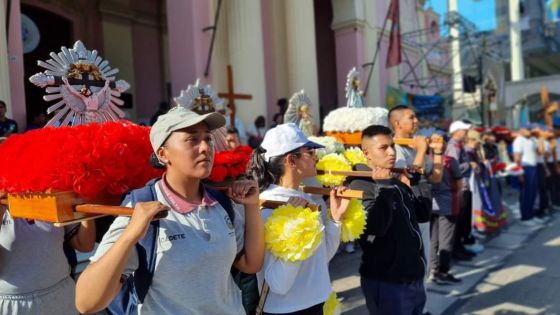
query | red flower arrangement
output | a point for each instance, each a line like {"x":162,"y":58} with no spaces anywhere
{"x":230,"y":164}
{"x":91,"y":160}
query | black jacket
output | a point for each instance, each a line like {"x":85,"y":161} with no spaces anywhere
{"x":392,"y":242}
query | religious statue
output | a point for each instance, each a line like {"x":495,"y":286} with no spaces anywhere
{"x":354,"y":96}
{"x":203,"y":100}
{"x":85,"y":85}
{"x":298,"y":112}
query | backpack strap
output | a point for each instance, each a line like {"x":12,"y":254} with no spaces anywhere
{"x":146,"y":247}
{"x":223,"y":200}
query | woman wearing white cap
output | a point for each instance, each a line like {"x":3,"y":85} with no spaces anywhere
{"x":196,"y":243}
{"x":284,"y":159}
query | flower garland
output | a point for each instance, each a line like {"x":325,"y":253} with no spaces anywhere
{"x":331,"y":145}
{"x":293,"y":233}
{"x":333,"y":162}
{"x":352,"y":119}
{"x":230,"y":164}
{"x":332,"y":306}
{"x":355,"y":155}
{"x":92,"y":159}
{"x":354,"y":221}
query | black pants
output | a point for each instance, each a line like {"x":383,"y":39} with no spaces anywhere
{"x":553,"y":185}
{"x":313,"y":310}
{"x":464,"y":221}
{"x":386,"y":298}
{"x":441,"y":238}
{"x":543,"y":191}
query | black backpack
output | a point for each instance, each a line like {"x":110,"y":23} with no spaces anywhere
{"x":136,"y":286}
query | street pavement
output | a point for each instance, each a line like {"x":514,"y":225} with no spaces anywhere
{"x":518,"y":273}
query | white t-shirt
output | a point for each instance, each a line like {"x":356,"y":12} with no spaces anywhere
{"x":31,"y":255}
{"x":194,"y":255}
{"x":540,"y":158}
{"x":34,"y":272}
{"x":527,"y":147}
{"x":550,"y":159}
{"x":406,"y":156}
{"x":295,"y":286}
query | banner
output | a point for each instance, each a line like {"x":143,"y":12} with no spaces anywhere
{"x":552,"y":8}
{"x":428,"y":107}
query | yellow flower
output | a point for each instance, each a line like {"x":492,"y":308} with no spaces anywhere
{"x":293,"y":233}
{"x":355,"y":156}
{"x":354,"y":221}
{"x":332,"y":305}
{"x":333,"y":162}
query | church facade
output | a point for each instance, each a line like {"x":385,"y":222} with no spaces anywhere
{"x":274,"y":48}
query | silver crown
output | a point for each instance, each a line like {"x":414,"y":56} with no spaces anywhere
{"x":83,"y":84}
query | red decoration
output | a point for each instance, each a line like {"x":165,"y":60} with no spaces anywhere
{"x":92,"y":159}
{"x":394,"y":51}
{"x":230,"y":164}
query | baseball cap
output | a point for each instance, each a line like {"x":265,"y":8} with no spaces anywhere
{"x":458,"y":125}
{"x":285,"y":138}
{"x":178,"y":118}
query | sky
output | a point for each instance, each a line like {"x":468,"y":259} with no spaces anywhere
{"x":480,"y":12}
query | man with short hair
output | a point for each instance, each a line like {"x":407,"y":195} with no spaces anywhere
{"x":393,"y":265}
{"x":404,"y":122}
{"x":232,"y":138}
{"x":543,"y":172}
{"x":446,"y":205}
{"x":525,"y":153}
{"x":7,"y":126}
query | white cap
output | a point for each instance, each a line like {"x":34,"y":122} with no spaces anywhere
{"x":458,"y":125}
{"x":283,"y":139}
{"x":178,"y":118}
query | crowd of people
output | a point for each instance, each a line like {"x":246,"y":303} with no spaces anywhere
{"x":187,"y":244}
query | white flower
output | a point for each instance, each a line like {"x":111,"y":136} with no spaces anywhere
{"x":331,"y":145}
{"x":348,"y":119}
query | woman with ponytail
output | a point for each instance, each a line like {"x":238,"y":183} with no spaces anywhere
{"x":296,"y":286}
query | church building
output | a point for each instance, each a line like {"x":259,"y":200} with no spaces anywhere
{"x":274,"y":48}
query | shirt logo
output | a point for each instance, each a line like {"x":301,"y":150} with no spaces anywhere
{"x":228,"y":222}
{"x":171,"y":238}
{"x":230,"y":225}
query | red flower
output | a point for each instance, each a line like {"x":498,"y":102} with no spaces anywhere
{"x":90,"y":159}
{"x":219,"y":173}
{"x":230,"y":164}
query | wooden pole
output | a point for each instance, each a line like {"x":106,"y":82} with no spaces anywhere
{"x":110,"y":210}
{"x":273,"y":204}
{"x":362,"y":173}
{"x":327,"y":191}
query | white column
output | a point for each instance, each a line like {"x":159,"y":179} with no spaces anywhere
{"x":516,"y":62}
{"x":456,"y":59}
{"x":246,"y":57}
{"x":301,"y":50}
{"x":4,"y":70}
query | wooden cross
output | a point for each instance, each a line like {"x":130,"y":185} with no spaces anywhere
{"x":549,"y":108}
{"x":231,"y":96}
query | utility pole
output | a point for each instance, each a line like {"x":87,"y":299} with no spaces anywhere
{"x":456,"y":56}
{"x":516,"y":60}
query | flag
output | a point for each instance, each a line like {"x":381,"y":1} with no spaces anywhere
{"x":394,"y":97}
{"x":394,"y":52}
